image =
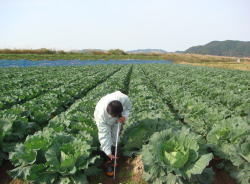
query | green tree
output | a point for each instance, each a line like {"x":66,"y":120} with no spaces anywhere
{"x":116,"y":52}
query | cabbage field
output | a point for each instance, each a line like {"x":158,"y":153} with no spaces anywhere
{"x":182,"y":119}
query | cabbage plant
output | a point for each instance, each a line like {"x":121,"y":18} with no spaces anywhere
{"x":52,"y":157}
{"x":230,"y":140}
{"x":138,"y":133}
{"x":176,"y":156}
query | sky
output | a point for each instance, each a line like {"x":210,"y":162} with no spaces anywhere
{"x":121,"y":24}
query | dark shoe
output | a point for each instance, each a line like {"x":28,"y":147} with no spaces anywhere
{"x":109,"y":168}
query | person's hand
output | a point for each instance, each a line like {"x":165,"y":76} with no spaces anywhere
{"x":121,"y":120}
{"x":112,"y":157}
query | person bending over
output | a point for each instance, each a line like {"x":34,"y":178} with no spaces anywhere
{"x":110,"y":110}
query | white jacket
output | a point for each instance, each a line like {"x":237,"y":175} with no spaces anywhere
{"x":106,"y":124}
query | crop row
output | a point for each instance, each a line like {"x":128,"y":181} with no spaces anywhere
{"x":42,"y":85}
{"x":21,"y":120}
{"x":66,"y":152}
{"x":228,"y":92}
{"x":181,"y":116}
{"x":146,"y":114}
{"x":190,"y":106}
{"x":13,"y":73}
{"x":152,"y":119}
{"x":227,"y":136}
{"x":30,"y":79}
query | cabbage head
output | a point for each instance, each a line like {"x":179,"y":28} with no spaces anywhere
{"x":175,"y":156}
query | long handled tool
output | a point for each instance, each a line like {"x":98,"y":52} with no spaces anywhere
{"x":116,"y":144}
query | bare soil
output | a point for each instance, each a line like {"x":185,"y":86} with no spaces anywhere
{"x":221,"y":176}
{"x":245,"y":66}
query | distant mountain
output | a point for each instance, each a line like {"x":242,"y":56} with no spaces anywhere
{"x":223,"y":48}
{"x":88,"y":50}
{"x":139,"y":51}
{"x":178,"y":51}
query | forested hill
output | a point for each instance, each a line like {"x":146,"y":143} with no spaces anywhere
{"x":223,"y":48}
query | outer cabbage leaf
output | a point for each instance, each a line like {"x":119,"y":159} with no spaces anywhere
{"x":199,"y":165}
